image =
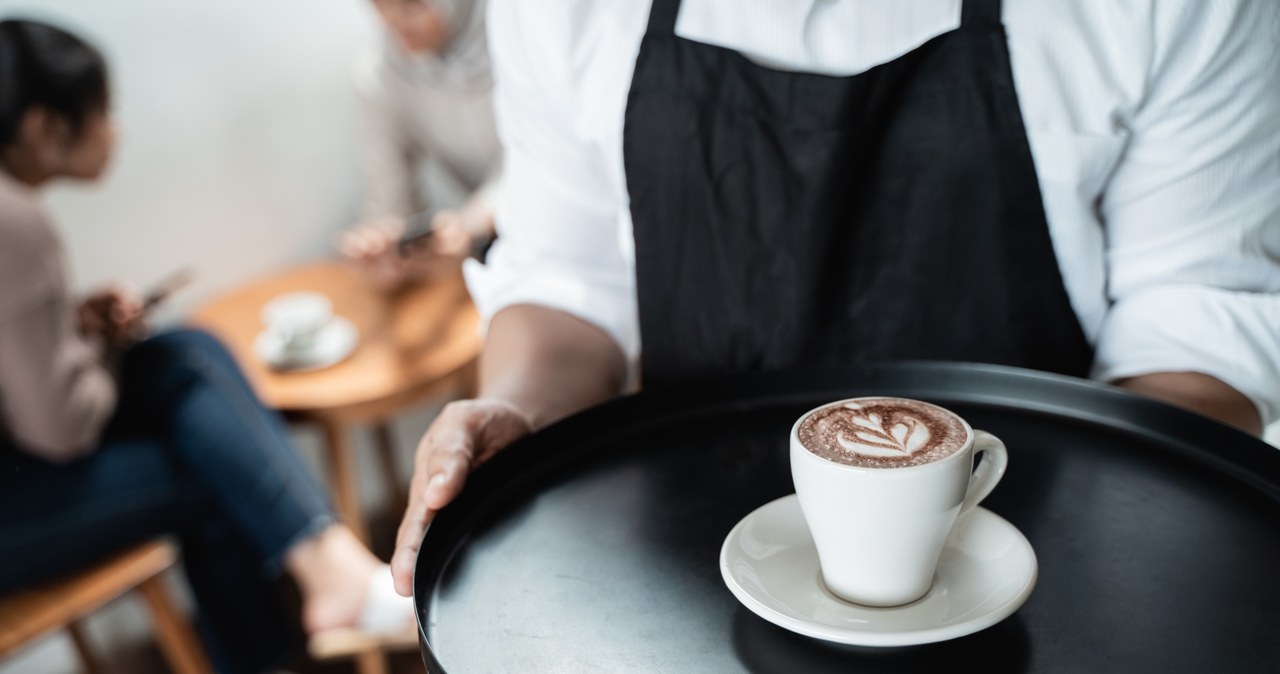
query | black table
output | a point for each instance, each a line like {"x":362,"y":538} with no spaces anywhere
{"x":593,"y":545}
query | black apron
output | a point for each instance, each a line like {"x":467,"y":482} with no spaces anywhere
{"x":789,"y":220}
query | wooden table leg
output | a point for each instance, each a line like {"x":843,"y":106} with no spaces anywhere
{"x":176,"y":639}
{"x":342,"y":469}
{"x":387,"y":453}
{"x":88,"y":660}
{"x":371,"y":662}
{"x":468,"y":379}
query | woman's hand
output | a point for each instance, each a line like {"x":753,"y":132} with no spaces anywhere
{"x":113,"y":315}
{"x":450,"y":238}
{"x":374,"y":246}
{"x":466,"y":434}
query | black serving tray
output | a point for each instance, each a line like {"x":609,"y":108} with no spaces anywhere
{"x":593,"y":545}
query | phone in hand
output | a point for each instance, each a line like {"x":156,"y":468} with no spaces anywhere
{"x":167,"y":287}
{"x":418,"y":229}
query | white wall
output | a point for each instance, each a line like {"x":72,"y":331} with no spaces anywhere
{"x":238,"y":152}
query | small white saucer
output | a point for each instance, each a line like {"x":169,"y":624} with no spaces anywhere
{"x":333,"y":343}
{"x":987,"y":570}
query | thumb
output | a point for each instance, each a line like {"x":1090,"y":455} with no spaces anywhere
{"x":446,"y":483}
{"x":408,"y":540}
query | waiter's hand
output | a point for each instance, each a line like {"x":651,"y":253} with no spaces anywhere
{"x":466,"y":434}
{"x":114,"y":315}
{"x":538,"y":365}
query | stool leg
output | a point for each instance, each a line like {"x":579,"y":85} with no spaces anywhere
{"x":87,"y":659}
{"x":342,"y":469}
{"x":371,"y":662}
{"x":387,"y":454}
{"x":178,"y":643}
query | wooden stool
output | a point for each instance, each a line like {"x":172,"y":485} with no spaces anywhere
{"x":31,"y":613}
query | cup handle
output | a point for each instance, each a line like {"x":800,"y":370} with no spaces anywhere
{"x":995,"y":458}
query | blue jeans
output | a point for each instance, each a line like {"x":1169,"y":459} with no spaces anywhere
{"x":190,"y":452}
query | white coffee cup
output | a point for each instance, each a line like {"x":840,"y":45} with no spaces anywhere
{"x":297,"y":318}
{"x":879,"y":531}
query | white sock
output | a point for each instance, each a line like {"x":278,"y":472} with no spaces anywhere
{"x":385,"y":611}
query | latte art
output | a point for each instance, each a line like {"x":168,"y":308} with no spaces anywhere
{"x":882,"y":432}
{"x":871,"y":438}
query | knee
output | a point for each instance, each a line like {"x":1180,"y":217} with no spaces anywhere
{"x":175,"y":348}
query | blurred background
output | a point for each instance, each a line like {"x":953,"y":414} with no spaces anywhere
{"x":238,"y":150}
{"x":238,"y":156}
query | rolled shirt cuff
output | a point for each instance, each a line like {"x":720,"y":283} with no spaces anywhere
{"x":1231,"y":335}
{"x":602,"y":303}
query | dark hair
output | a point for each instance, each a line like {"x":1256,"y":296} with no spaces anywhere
{"x":42,"y":65}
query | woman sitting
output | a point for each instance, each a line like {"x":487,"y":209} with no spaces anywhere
{"x":108,"y":439}
{"x":427,"y":97}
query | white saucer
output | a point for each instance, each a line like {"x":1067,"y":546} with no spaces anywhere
{"x":333,"y":343}
{"x":987,"y":570}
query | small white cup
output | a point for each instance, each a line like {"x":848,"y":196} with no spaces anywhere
{"x":296,"y":319}
{"x":879,"y":531}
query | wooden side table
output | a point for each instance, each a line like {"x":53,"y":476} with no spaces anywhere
{"x":415,"y":345}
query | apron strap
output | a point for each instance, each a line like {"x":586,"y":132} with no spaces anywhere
{"x":662,"y":17}
{"x":976,"y":13}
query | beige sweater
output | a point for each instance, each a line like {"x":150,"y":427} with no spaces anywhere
{"x":409,"y":120}
{"x":55,"y":393}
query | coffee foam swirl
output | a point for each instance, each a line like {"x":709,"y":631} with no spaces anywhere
{"x":882,"y":432}
{"x":906,"y":437}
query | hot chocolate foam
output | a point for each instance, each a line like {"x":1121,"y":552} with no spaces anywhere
{"x":882,"y":433}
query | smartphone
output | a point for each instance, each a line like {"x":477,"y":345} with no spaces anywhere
{"x":418,"y":228}
{"x":166,"y":287}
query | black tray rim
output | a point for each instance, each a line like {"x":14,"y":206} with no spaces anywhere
{"x":1234,"y":453}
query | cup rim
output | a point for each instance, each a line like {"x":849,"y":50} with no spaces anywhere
{"x":272,"y":310}
{"x":968,"y":443}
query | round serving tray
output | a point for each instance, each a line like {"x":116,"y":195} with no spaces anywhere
{"x":593,"y":545}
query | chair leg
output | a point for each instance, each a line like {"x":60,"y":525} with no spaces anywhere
{"x":87,"y":659}
{"x":176,"y":639}
{"x":371,"y":662}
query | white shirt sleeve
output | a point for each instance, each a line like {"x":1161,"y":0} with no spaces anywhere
{"x":557,"y":212}
{"x":1192,"y":211}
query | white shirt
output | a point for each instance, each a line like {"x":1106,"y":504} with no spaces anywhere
{"x":1154,"y":127}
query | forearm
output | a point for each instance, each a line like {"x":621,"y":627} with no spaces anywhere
{"x":549,"y":363}
{"x":1200,"y":393}
{"x":390,"y":159}
{"x":390,"y":187}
